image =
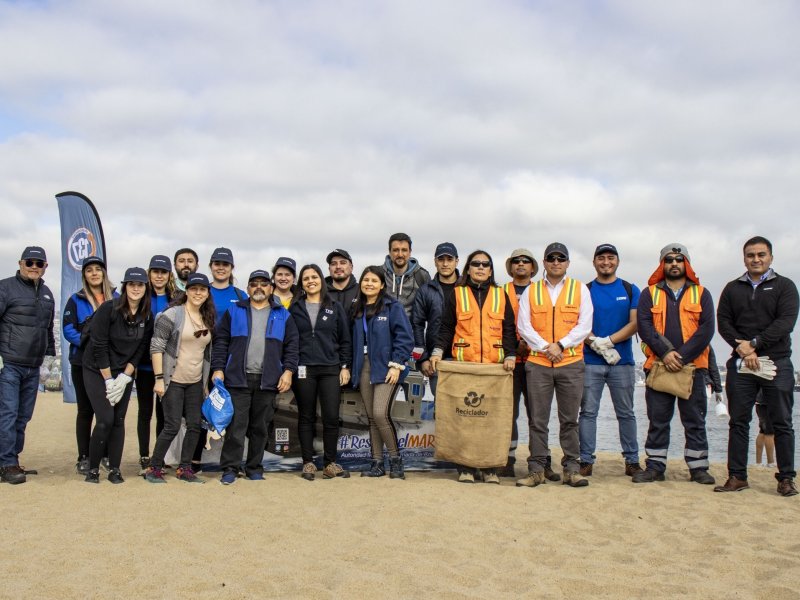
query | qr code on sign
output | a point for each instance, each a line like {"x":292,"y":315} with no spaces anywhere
{"x":281,"y":435}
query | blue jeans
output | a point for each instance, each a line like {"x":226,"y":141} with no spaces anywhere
{"x":620,"y":380}
{"x":18,"y":388}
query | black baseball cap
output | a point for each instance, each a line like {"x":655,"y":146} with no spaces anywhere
{"x":159,"y":261}
{"x":197,"y":279}
{"x":222,"y":255}
{"x":285,"y":261}
{"x":556,"y":248}
{"x":92,"y":260}
{"x":446,"y":249}
{"x":606,"y":249}
{"x":135,"y":274}
{"x":259,"y":273}
{"x":338,"y":252}
{"x":33,"y":252}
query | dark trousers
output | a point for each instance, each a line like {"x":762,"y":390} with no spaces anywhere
{"x":778,"y":399}
{"x":145,"y":380}
{"x":181,"y":400}
{"x":520,"y":393}
{"x":253,"y":408}
{"x":660,"y":409}
{"x":83,"y":420}
{"x":320,"y":383}
{"x":108,"y":435}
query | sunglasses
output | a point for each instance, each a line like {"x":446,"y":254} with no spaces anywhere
{"x":262,"y":284}
{"x":39,"y":264}
{"x":556,"y":258}
{"x":480,"y":263}
{"x":673,"y":259}
{"x":200,"y":332}
{"x":521,"y":261}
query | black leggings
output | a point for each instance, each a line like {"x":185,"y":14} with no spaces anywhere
{"x":145,"y":380}
{"x":83,"y":420}
{"x":109,"y":428}
{"x":320,"y":382}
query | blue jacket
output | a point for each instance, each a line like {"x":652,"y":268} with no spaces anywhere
{"x":426,"y":316}
{"x":389,"y":340}
{"x":77,"y":312}
{"x":281,"y":346}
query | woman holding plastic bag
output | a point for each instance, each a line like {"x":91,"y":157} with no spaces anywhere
{"x":477,"y":326}
{"x":382,"y":343}
{"x":181,"y":353}
{"x":119,"y":335}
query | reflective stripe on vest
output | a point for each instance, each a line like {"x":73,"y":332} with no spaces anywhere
{"x":689,"y":314}
{"x":555,"y":322}
{"x":479,"y":333}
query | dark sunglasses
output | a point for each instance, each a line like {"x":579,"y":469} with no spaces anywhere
{"x":556,"y":258}
{"x":262,"y":284}
{"x":39,"y":264}
{"x":200,"y":332}
{"x":521,"y":261}
{"x":673,"y":259}
{"x":480,"y":263}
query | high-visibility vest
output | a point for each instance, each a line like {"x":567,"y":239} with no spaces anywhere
{"x":511,"y":292}
{"x":479,"y":331}
{"x":555,"y":322}
{"x":689,"y":312}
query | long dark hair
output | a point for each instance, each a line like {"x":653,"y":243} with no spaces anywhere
{"x":324,"y":299}
{"x":361,"y":304}
{"x":121,"y":303}
{"x":466,"y":279}
{"x":207,"y":310}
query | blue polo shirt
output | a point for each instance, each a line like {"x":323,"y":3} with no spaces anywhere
{"x":612,"y":311}
{"x":224,"y":298}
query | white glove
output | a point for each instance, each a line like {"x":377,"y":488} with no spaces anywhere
{"x":124,"y":379}
{"x":599,"y":344}
{"x":113,"y":391}
{"x":610,"y":355}
{"x":766,"y":370}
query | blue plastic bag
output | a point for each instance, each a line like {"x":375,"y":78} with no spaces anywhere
{"x":218,"y":408}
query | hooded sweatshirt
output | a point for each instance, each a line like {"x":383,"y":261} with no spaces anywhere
{"x":404,"y":287}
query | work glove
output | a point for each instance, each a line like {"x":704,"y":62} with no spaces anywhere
{"x":599,"y":344}
{"x":113,"y":391}
{"x":767,"y":368}
{"x":610,"y":355}
{"x":123,"y":380}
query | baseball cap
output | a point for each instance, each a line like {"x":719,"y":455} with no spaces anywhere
{"x":446,"y":249}
{"x":285,"y":261}
{"x":33,"y":252}
{"x":159,"y":261}
{"x":92,"y":260}
{"x":556,"y":248}
{"x":197,"y":279}
{"x":259,"y":273}
{"x":135,"y":274}
{"x":606,"y":249}
{"x":338,"y":252}
{"x":222,"y":255}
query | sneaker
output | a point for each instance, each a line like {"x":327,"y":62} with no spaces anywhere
{"x":332,"y":470}
{"x":491,"y":477}
{"x":396,"y":468}
{"x":647,"y":476}
{"x":13,"y":474}
{"x":144,"y":464}
{"x":154,"y":475}
{"x":574,"y":479}
{"x":466,"y":477}
{"x":93,"y":476}
{"x":734,"y":484}
{"x":551,"y":475}
{"x":114,"y":476}
{"x":375,"y":469}
{"x":104,"y":464}
{"x":632,"y":469}
{"x":586,"y":469}
{"x":187,"y":474}
{"x":786,"y":487}
{"x":82,"y":466}
{"x":702,"y":476}
{"x":533,"y":479}
{"x":309,"y":471}
{"x":228,"y":477}
{"x":256,"y":476}
{"x":771,"y":466}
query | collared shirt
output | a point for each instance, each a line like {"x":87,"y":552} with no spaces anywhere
{"x":576,"y":335}
{"x":765,"y":276}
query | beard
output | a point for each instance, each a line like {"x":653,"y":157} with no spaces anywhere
{"x":259,"y":295}
{"x":183,"y":274}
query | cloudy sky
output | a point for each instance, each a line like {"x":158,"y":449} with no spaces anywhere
{"x":298,"y":126}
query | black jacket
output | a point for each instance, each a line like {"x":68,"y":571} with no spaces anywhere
{"x":345,"y":297}
{"x":114,"y":341}
{"x":767,"y":313}
{"x":26,"y":321}
{"x":329,"y":343}
{"x":426,"y":316}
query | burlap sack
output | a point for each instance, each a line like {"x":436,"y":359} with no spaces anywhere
{"x":678,"y":384}
{"x":474,"y":411}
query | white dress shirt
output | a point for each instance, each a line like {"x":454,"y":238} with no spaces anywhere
{"x":576,"y":335}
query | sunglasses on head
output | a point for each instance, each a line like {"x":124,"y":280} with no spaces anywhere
{"x":673,"y":259}
{"x":556,"y":258}
{"x":39,"y":264}
{"x":521,"y":260}
{"x":480,"y":263}
{"x":200,"y":332}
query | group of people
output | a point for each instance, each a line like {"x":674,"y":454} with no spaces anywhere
{"x":303,"y":331}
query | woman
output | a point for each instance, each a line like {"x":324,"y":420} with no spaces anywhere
{"x":77,"y":314}
{"x":283,"y":276}
{"x":120,"y":333}
{"x":382,"y":343}
{"x":477,"y":326}
{"x":181,"y":354}
{"x":223,"y":292}
{"x":162,"y":289}
{"x":325,"y":356}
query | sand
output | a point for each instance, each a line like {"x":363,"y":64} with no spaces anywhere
{"x":428,"y":536}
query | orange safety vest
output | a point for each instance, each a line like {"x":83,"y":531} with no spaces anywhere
{"x":689,"y":313}
{"x":511,"y":292}
{"x":479,"y":331}
{"x":554,"y":322}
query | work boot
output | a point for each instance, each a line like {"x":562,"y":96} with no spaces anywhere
{"x":549,"y":474}
{"x":734,"y":484}
{"x":396,"y":469}
{"x":786,"y":487}
{"x":574,"y":479}
{"x":647,"y":476}
{"x":702,"y":476}
{"x":375,"y":469}
{"x":586,"y":469}
{"x":332,"y":470}
{"x":632,"y":469}
{"x":13,"y":474}
{"x":532,"y":479}
{"x":309,"y":471}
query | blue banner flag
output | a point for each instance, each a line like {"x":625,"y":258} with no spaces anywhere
{"x":81,"y":237}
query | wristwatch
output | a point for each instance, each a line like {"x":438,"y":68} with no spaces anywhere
{"x":754,"y":342}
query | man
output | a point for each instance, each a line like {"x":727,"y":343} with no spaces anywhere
{"x":186,"y":262}
{"x":404,"y":276}
{"x":256,"y":349}
{"x":27,"y":310}
{"x":342,"y":285}
{"x":555,"y":316}
{"x":521,"y":266}
{"x":426,"y":314}
{"x":675,"y":319}
{"x":608,"y":355}
{"x":222,"y":289}
{"x":756,"y":316}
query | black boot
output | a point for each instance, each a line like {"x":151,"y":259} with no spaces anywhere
{"x":396,"y":469}
{"x":375,"y":469}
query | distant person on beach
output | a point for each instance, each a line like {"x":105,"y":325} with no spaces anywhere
{"x":555,"y":316}
{"x":757,"y":314}
{"x":186,"y":263}
{"x":342,"y":285}
{"x":675,"y":319}
{"x":765,"y":440}
{"x":608,"y":354}
{"x":27,"y":310}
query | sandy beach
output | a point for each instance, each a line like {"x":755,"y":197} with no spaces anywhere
{"x":427,"y":536}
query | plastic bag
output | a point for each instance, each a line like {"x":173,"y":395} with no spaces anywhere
{"x":218,"y":408}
